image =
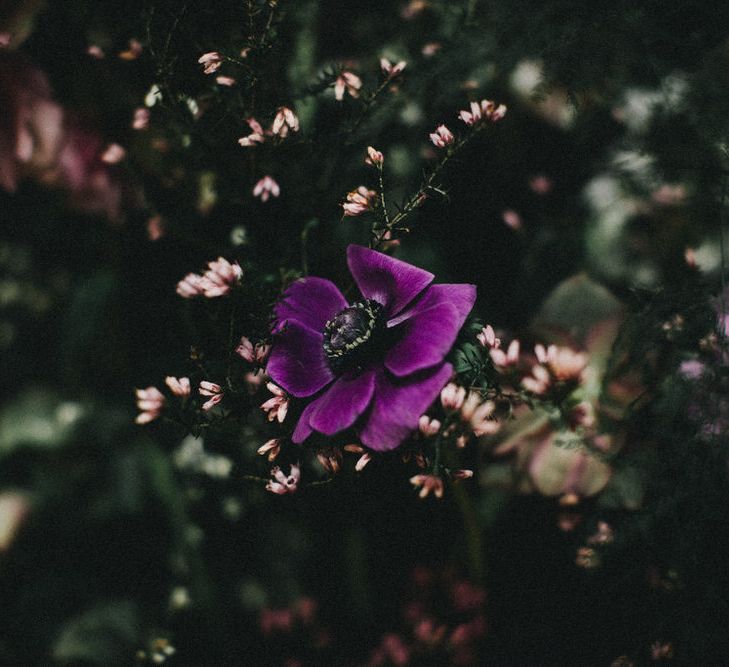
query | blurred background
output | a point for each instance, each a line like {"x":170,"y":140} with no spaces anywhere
{"x":120,"y":172}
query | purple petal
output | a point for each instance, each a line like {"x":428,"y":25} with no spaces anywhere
{"x":303,"y":429}
{"x":297,"y":361}
{"x":427,"y":338}
{"x":388,"y":281}
{"x":460,"y":296}
{"x":398,"y":405}
{"x":311,"y":301}
{"x":342,"y":403}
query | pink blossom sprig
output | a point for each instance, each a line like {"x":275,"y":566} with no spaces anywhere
{"x":347,"y":82}
{"x":150,"y":403}
{"x":213,"y":392}
{"x":359,"y":201}
{"x":211,"y":62}
{"x":266,"y":188}
{"x":482,"y":112}
{"x":391,"y":70}
{"x":220,"y":277}
{"x":277,"y":406}
{"x":282,"y":484}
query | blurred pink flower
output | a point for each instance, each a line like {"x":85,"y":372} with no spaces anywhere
{"x":452,"y":396}
{"x":487,"y":338}
{"x":211,"y":390}
{"x":133,"y":51}
{"x":225,"y":81}
{"x":257,"y":135}
{"x":252,"y":353}
{"x":178,"y":386}
{"x":285,"y":121}
{"x":113,"y":154}
{"x":359,"y":201}
{"x":141,"y":118}
{"x":374,"y":157}
{"x":266,"y":188}
{"x":428,"y":484}
{"x":390,"y":70}
{"x":150,"y":402}
{"x":506,"y":359}
{"x":211,"y":62}
{"x":349,"y":82}
{"x":540,"y":184}
{"x":95,"y":52}
{"x":442,"y":137}
{"x":512,"y":219}
{"x":427,"y":426}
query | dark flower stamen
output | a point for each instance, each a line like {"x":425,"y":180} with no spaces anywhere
{"x":350,"y":335}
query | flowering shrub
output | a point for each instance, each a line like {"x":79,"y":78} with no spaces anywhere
{"x":296,"y":296}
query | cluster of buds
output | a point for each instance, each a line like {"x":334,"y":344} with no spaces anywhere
{"x":359,"y":201}
{"x":211,"y":62}
{"x":270,"y":449}
{"x":178,"y":386}
{"x":266,"y":188}
{"x":442,"y":137}
{"x":141,"y":119}
{"x":257,"y":135}
{"x":278,"y":405}
{"x":282,"y":484}
{"x":364,"y":456}
{"x":428,"y":484}
{"x":213,"y":392}
{"x":150,"y":402}
{"x":374,"y":157}
{"x":477,"y":415}
{"x":253,"y":354}
{"x":330,"y":459}
{"x":349,"y":82}
{"x":506,"y":359}
{"x":284,"y":123}
{"x":482,"y":112}
{"x":391,"y":70}
{"x":556,"y":363}
{"x":217,"y":281}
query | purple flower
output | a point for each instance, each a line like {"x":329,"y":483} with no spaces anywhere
{"x":379,"y":361}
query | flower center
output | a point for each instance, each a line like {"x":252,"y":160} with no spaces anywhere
{"x":351,"y":335}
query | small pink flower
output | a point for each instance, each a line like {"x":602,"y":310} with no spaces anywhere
{"x":359,"y":201}
{"x":452,"y":396}
{"x":430,"y":49}
{"x":540,"y":184}
{"x":512,"y":219}
{"x":254,"y":379}
{"x":461,"y":474}
{"x":155,"y":227}
{"x":133,"y":51}
{"x":481,"y":112}
{"x":429,"y":484}
{"x":278,"y":406}
{"x":220,"y":277}
{"x":364,"y":459}
{"x":285,"y":121}
{"x":178,"y":386}
{"x":487,"y":338}
{"x":257,"y":135}
{"x":330,"y":459}
{"x":349,"y":82}
{"x":442,"y":137}
{"x":141,"y":119}
{"x":270,"y":449}
{"x":211,"y":62}
{"x":604,"y":534}
{"x":428,"y":427}
{"x":374,"y":157}
{"x":390,"y":70}
{"x":266,"y":188}
{"x":213,"y":391}
{"x":252,"y":353}
{"x":225,"y":81}
{"x":113,"y":154}
{"x":478,"y":414}
{"x":95,"y":52}
{"x":538,"y":382}
{"x":150,"y":402}
{"x":563,"y":362}
{"x":282,"y":484}
{"x":190,"y":286}
{"x":505,"y":359}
